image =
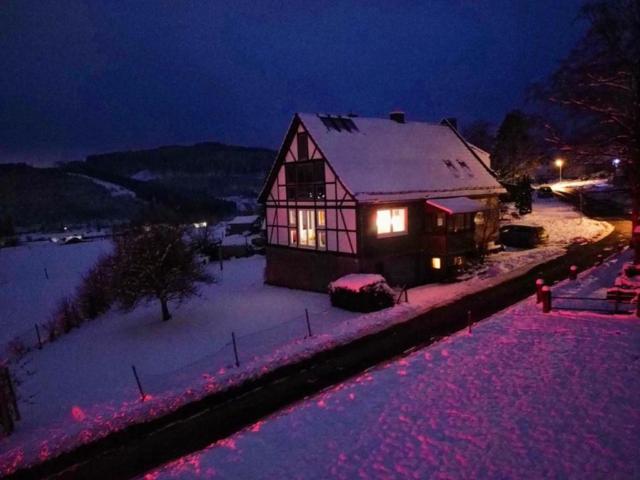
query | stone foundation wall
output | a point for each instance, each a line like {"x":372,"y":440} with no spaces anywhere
{"x":306,"y":269}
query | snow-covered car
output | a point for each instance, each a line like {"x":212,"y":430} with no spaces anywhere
{"x":71,"y":239}
{"x":523,"y":236}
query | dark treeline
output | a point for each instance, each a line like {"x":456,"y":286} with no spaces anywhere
{"x":204,"y":158}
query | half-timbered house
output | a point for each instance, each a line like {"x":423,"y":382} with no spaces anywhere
{"x":347,"y":194}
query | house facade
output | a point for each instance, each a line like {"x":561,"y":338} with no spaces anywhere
{"x":409,"y":200}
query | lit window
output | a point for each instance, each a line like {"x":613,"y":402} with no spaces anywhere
{"x":293,"y":236}
{"x":479,"y":218}
{"x":440,"y":220}
{"x":306,"y":228}
{"x":292,"y":218}
{"x":321,"y":218}
{"x":322,"y":239}
{"x":436,"y":263}
{"x":458,"y":261}
{"x":391,"y":221}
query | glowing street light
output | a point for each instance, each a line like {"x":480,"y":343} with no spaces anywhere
{"x":616,"y":162}
{"x":559,"y":163}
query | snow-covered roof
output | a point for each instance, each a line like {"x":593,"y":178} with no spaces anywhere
{"x":482,"y":154}
{"x":457,"y":205}
{"x":382,"y":159}
{"x":244,"y":220}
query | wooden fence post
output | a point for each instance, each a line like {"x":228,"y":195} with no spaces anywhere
{"x":135,"y":374}
{"x":235,"y":348}
{"x":573,"y":272}
{"x":39,"y":339}
{"x":539,"y":285}
{"x":306,"y":312}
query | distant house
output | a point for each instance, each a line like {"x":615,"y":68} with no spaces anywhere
{"x":408,"y":200}
{"x":242,"y":224}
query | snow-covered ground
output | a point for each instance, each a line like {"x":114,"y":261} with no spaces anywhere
{"x":562,"y":222}
{"x":35,"y":276}
{"x":592,"y":183}
{"x":114,"y":189}
{"x":524,"y":395}
{"x":81,"y":386}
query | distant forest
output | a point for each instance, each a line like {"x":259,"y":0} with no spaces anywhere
{"x":181,"y":183}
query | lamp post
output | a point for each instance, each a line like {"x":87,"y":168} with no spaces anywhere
{"x":559,"y":163}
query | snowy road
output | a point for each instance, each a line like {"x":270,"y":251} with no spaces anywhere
{"x":526,"y":395}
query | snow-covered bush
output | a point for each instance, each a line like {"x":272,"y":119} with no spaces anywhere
{"x":67,"y":315}
{"x":95,"y":295}
{"x":17,"y":348}
{"x":52,"y":329}
{"x":361,"y":293}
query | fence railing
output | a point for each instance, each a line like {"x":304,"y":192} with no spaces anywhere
{"x":615,"y":305}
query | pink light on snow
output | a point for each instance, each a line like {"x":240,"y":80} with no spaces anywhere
{"x":78,"y":414}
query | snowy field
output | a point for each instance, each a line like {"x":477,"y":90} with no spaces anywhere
{"x":27,"y":296}
{"x":524,"y":395}
{"x":81,"y":386}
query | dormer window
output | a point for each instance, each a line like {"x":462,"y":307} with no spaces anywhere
{"x":452,"y":168}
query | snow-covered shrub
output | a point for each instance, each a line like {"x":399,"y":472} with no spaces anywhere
{"x":51,"y":329}
{"x":17,"y":348}
{"x":67,"y":315}
{"x":361,"y":293}
{"x":95,"y":295}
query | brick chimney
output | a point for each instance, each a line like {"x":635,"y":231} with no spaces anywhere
{"x":397,"y":116}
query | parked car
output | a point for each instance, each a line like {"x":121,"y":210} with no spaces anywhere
{"x":523,"y":236}
{"x":71,"y":239}
{"x":545,"y":191}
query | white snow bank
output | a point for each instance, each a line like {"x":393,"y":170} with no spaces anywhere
{"x":524,"y":395}
{"x":81,"y":387}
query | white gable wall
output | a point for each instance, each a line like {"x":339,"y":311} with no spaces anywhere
{"x":338,"y":205}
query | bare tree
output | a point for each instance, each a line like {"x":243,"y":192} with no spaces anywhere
{"x":155,"y":263}
{"x":598,"y":89}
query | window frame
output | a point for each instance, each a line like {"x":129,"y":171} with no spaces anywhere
{"x":310,"y":214}
{"x":392,"y":233}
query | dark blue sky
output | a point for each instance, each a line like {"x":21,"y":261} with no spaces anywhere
{"x":82,"y":76}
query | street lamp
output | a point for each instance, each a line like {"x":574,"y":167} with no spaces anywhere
{"x":559,"y":163}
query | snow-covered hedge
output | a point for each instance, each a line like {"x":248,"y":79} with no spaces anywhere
{"x":361,"y":293}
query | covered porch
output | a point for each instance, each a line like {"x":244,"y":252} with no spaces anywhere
{"x":454,"y":227}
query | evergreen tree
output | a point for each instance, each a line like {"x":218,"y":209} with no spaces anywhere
{"x":479,"y":133}
{"x":519,"y":145}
